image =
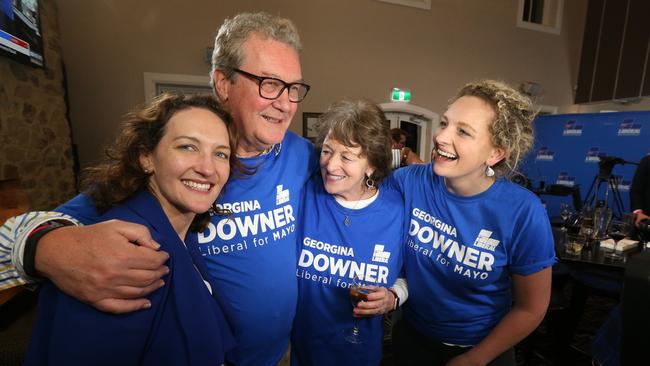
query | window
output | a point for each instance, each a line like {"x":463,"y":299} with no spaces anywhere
{"x":422,"y":4}
{"x":541,"y":15}
{"x":155,"y":84}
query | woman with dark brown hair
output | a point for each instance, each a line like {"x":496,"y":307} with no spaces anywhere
{"x":165,"y":171}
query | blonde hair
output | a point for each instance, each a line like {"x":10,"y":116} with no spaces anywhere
{"x":512,"y":128}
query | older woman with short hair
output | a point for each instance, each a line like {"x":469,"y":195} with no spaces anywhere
{"x":353,"y":226}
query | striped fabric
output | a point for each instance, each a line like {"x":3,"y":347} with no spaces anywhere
{"x":397,"y":158}
{"x":13,"y":235}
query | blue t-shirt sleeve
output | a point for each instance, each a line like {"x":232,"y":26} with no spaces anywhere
{"x":391,"y":182}
{"x":81,"y":208}
{"x":533,"y":248}
{"x":398,"y":178}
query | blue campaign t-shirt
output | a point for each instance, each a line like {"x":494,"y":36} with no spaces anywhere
{"x":330,"y":255}
{"x":252,"y":253}
{"x":461,"y":253}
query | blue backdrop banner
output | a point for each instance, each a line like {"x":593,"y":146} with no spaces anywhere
{"x":569,"y":147}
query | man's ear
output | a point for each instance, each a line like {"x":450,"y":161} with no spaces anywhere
{"x":221,"y":85}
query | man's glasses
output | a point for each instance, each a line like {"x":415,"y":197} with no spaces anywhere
{"x":272,"y":88}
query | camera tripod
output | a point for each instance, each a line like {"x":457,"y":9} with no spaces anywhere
{"x":612,"y":185}
{"x":605,"y":165}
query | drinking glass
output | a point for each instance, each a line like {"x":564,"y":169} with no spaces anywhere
{"x":618,"y":231}
{"x":574,"y":245}
{"x":565,"y":214}
{"x":587,"y":222}
{"x":358,"y":292}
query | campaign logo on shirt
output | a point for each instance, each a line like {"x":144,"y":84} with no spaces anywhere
{"x":544,"y":154}
{"x":281,"y":195}
{"x":594,"y":154}
{"x":572,"y":128}
{"x":437,"y":240}
{"x":336,"y":264}
{"x":565,"y":179}
{"x":484,"y":241}
{"x":379,"y":255}
{"x":629,"y":128}
{"x":251,"y":225}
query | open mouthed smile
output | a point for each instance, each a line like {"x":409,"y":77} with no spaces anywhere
{"x":334,"y":177}
{"x":271,"y":119}
{"x":201,"y":187}
{"x":446,"y":155}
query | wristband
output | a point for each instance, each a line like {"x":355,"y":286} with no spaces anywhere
{"x":29,"y":257}
{"x":396,"y":303}
{"x":637,"y":211}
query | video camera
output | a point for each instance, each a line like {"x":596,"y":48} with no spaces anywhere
{"x":606,"y":164}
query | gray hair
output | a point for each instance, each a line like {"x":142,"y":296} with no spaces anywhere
{"x":232,"y":34}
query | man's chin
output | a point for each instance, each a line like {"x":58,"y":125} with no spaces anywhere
{"x":275,"y":137}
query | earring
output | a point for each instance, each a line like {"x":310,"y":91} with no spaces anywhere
{"x":370,"y":183}
{"x":489,"y":171}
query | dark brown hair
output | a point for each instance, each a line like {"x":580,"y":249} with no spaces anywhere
{"x":120,"y":175}
{"x":397,"y":133}
{"x":359,"y":123}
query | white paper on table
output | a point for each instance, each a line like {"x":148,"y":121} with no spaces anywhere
{"x":620,"y":246}
{"x":607,"y":243}
{"x":625,"y":244}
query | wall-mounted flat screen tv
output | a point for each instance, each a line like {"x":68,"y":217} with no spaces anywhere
{"x":20,"y":31}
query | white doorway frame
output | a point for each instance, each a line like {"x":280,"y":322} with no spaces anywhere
{"x":427,"y":135}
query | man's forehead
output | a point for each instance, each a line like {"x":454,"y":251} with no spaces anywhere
{"x":270,"y":57}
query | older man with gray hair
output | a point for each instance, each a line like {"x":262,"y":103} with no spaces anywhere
{"x":256,"y":75}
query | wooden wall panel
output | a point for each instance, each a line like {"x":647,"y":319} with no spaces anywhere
{"x":609,"y":50}
{"x":589,"y":47}
{"x":635,"y":47}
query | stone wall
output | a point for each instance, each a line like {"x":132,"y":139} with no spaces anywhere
{"x":35,"y":143}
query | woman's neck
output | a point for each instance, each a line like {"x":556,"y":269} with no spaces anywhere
{"x":468,"y":187}
{"x":357,"y":196}
{"x":180,"y":222}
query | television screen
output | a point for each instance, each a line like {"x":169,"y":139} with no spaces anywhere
{"x":20,"y":31}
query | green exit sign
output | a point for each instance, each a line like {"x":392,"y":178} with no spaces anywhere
{"x":400,"y":95}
